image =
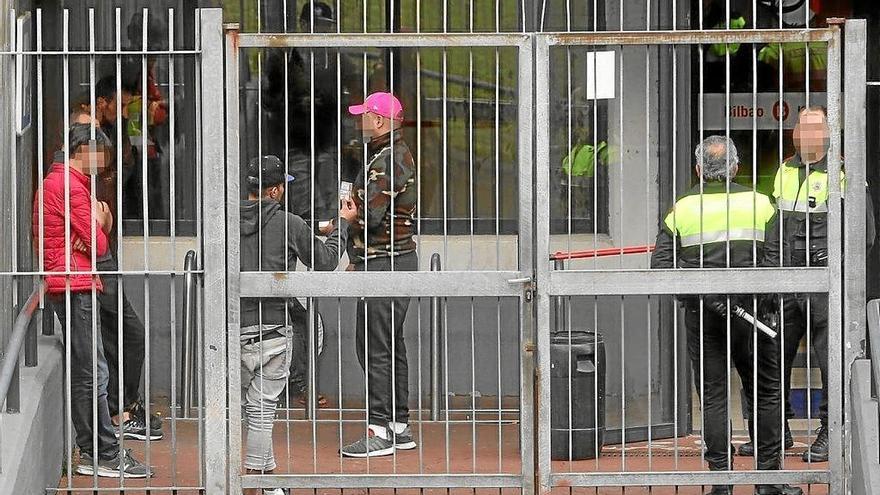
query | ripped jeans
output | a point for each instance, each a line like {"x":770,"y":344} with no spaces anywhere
{"x":265,"y":367}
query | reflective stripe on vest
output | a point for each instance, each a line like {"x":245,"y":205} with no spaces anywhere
{"x":792,"y":195}
{"x":719,"y":217}
{"x":723,"y":236}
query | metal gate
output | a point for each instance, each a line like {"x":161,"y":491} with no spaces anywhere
{"x":531,"y":283}
{"x":607,"y":285}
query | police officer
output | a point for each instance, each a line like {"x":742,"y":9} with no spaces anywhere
{"x":719,"y":223}
{"x":801,"y":192}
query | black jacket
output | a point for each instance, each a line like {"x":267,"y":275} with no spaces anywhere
{"x":263,"y":222}
{"x":714,"y":255}
{"x":794,"y":225}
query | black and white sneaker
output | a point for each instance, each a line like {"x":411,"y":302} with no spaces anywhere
{"x":369,"y":446}
{"x":138,"y":410}
{"x":123,"y":464}
{"x":135,"y":429}
{"x":404,"y":440}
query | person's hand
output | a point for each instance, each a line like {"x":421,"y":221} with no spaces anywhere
{"x":327,"y":228}
{"x":348,"y":210}
{"x":79,"y":245}
{"x":105,"y":218}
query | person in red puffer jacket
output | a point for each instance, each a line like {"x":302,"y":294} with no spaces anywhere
{"x":70,"y":234}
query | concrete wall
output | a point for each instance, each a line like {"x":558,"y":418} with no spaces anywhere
{"x":32,"y":442}
{"x":865,"y":431}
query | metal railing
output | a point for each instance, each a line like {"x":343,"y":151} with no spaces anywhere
{"x":9,"y":374}
{"x":190,"y":338}
{"x":873,"y":346}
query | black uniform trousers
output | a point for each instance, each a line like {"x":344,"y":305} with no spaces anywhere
{"x":714,"y":389}
{"x":381,"y":349}
{"x":796,"y":308}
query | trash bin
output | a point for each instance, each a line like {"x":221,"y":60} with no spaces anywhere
{"x":585,"y":364}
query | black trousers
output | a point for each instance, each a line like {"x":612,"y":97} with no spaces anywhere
{"x":713,"y":363}
{"x":83,"y":381}
{"x":133,"y":344}
{"x":795,"y":315}
{"x":379,"y":327}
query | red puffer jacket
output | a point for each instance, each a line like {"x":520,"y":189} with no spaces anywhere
{"x":80,"y":221}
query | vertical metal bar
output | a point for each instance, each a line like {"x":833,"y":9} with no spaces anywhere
{"x":526,"y":250}
{"x":835,"y":269}
{"x":145,"y":130}
{"x":436,"y":324}
{"x":172,"y":219}
{"x":233,"y":247}
{"x":445,"y":132}
{"x":856,"y":202}
{"x":214,"y":259}
{"x":66,"y":117}
{"x":543,"y":272}
{"x":119,"y":202}
{"x":92,"y":249}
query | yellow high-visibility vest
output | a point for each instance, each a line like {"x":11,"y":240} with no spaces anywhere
{"x":718,"y":217}
{"x":794,"y":56}
{"x":811,"y":195}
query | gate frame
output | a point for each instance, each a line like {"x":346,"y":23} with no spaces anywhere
{"x":510,"y":283}
{"x":222,"y":277}
{"x":554,"y":284}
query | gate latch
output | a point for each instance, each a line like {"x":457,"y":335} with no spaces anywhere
{"x":528,"y":285}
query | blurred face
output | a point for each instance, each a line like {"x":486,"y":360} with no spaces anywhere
{"x":811,"y":136}
{"x":373,"y":125}
{"x":91,"y":158}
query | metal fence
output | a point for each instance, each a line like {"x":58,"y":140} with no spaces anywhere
{"x":68,"y":68}
{"x":496,"y":123}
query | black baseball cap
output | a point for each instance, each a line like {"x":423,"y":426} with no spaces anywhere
{"x":320,"y":10}
{"x":266,"y":171}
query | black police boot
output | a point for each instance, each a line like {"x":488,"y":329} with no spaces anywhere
{"x":778,"y":490}
{"x":818,"y":452}
{"x":720,"y":489}
{"x":748,"y":449}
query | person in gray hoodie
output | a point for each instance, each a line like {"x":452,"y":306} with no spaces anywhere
{"x":274,"y":240}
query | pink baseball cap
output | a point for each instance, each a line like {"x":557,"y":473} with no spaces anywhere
{"x":384,"y":104}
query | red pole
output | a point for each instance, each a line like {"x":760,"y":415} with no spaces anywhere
{"x":597,"y":253}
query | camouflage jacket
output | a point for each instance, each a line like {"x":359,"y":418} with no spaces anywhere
{"x":374,"y":202}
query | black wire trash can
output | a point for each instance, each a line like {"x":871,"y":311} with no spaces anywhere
{"x":583,"y":423}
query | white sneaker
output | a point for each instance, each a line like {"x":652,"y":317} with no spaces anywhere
{"x":274,"y":491}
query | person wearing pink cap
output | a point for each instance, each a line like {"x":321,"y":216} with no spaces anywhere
{"x":382,"y":239}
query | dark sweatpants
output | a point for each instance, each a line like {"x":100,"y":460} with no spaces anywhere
{"x":133,"y":345}
{"x":716,"y":418}
{"x":379,"y":327}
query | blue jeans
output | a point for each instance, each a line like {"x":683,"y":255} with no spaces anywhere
{"x":83,"y":382}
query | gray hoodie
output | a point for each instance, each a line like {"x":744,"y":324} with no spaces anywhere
{"x":264,"y":220}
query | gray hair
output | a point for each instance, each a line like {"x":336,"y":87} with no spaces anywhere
{"x":717,"y":158}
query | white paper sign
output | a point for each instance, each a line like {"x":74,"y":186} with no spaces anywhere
{"x":600,"y":75}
